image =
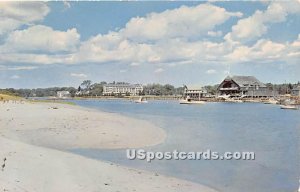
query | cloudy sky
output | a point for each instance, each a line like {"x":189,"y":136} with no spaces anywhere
{"x":197,"y":43}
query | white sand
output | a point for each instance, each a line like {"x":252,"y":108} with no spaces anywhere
{"x":28,"y":131}
{"x":75,"y":127}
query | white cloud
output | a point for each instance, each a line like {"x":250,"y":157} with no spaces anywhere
{"x":296,"y":43}
{"x":79,"y":75}
{"x":112,"y":47}
{"x":15,"y":14}
{"x":41,"y":38}
{"x":183,"y":22}
{"x":158,"y":38}
{"x":15,"y":77}
{"x":264,"y":51}
{"x":255,"y":26}
{"x":159,"y":70}
{"x":215,"y":33}
{"x":176,"y":51}
{"x":40,"y":45}
{"x":42,"y":59}
{"x":22,"y":68}
{"x":18,"y":68}
{"x":128,"y":45}
{"x":211,"y":71}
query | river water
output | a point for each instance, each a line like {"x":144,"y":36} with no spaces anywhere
{"x":272,"y":133}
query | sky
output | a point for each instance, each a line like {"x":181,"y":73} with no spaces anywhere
{"x":47,"y":44}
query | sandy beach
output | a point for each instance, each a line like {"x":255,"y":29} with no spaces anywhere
{"x":64,"y":126}
{"x":33,"y":137}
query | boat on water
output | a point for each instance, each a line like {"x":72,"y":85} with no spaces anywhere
{"x":224,"y":97}
{"x":229,"y":99}
{"x":288,"y":107}
{"x":289,"y":104}
{"x":141,"y":100}
{"x":189,"y":101}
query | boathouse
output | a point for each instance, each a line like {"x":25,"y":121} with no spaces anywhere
{"x":244,"y":86}
{"x":194,"y":92}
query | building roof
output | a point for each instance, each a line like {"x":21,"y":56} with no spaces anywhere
{"x":297,"y":88}
{"x":245,"y":81}
{"x":122,"y":85}
{"x":194,"y":87}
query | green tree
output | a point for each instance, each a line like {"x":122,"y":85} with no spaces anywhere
{"x":86,"y":84}
{"x":96,"y":89}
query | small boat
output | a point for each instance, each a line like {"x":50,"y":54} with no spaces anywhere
{"x":227,"y":98}
{"x":141,"y":100}
{"x":224,"y":96}
{"x":238,"y":101}
{"x":288,"y":107}
{"x":189,"y":101}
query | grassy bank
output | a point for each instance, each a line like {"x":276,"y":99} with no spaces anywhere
{"x":9,"y":97}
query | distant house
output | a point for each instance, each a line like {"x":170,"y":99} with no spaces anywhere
{"x":82,"y":92}
{"x":296,"y":91}
{"x":244,"y":86}
{"x":63,"y":94}
{"x":122,"y":89}
{"x":194,"y":92}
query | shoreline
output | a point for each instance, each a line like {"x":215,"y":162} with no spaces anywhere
{"x":154,"y":98}
{"x":33,"y":162}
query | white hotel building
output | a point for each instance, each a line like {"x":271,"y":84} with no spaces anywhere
{"x":122,"y":89}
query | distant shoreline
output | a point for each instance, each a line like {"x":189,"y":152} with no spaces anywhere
{"x":147,"y":97}
{"x":150,"y":97}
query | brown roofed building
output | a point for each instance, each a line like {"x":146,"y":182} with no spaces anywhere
{"x":244,"y":86}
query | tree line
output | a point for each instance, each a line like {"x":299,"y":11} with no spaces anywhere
{"x":88,"y":88}
{"x":96,"y":89}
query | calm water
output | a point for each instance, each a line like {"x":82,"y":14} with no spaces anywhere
{"x":273,"y":134}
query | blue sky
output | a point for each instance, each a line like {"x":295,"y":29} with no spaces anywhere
{"x":195,"y":43}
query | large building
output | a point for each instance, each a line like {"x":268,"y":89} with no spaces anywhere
{"x":244,"y":86}
{"x":296,"y":91}
{"x":122,"y":89}
{"x":194,"y":92}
